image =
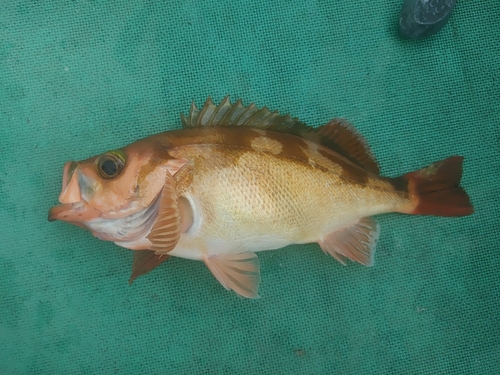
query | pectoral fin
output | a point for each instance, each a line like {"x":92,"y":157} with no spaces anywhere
{"x":356,"y":242}
{"x":167,"y":227}
{"x":144,"y":262}
{"x":238,"y":272}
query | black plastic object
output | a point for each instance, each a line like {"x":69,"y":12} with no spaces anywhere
{"x":422,"y":18}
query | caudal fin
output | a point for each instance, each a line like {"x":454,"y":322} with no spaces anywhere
{"x":435,"y":190}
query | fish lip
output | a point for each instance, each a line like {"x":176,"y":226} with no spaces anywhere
{"x":54,"y":213}
{"x":57,"y":212}
{"x":73,"y":213}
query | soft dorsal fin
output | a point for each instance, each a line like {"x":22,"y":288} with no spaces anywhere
{"x":338,"y":135}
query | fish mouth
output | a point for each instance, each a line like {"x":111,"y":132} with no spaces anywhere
{"x":76,"y":190}
{"x":73,"y":213}
{"x":64,"y":212}
{"x":55,"y":212}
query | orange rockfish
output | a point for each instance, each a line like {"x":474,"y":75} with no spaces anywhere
{"x":237,"y":180}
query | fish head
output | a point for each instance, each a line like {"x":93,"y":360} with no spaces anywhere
{"x":113,"y":185}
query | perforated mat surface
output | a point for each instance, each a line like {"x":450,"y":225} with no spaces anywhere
{"x":78,"y":78}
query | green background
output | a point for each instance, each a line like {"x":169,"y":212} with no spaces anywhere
{"x":80,"y":77}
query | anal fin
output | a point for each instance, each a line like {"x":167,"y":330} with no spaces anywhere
{"x":144,"y":262}
{"x":355,"y":242}
{"x":237,"y":272}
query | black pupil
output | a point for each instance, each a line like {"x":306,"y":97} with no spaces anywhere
{"x":109,"y":167}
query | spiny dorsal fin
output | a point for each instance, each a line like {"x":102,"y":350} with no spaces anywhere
{"x":227,"y":114}
{"x":338,"y":135}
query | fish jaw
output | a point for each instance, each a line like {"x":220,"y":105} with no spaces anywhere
{"x":72,"y":213}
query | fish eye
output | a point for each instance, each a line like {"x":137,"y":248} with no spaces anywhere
{"x":110,"y":165}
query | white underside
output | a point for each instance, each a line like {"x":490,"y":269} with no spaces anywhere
{"x":184,"y":248}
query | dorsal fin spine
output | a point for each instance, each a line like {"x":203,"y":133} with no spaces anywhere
{"x":183,"y":120}
{"x":193,"y":113}
{"x":206,"y":109}
{"x":247,"y":114}
{"x":223,"y":108}
{"x":234,"y":115}
{"x":254,"y":120}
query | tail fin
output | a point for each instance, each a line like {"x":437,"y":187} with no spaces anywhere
{"x":435,"y":190}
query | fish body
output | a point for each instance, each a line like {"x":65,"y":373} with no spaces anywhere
{"x":238,"y":180}
{"x":253,"y":195}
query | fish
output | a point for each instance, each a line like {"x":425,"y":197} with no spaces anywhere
{"x":236,"y":180}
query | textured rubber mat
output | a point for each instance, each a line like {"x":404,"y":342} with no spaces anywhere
{"x":81,"y":77}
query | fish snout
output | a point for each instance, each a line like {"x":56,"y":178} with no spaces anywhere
{"x":68,"y":170}
{"x":70,"y":192}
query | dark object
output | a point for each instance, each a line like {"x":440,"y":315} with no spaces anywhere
{"x":422,"y":18}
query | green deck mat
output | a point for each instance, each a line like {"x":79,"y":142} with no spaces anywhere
{"x":80,"y":77}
